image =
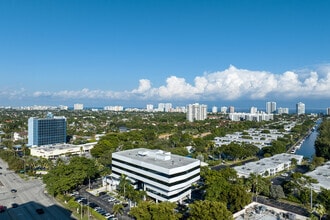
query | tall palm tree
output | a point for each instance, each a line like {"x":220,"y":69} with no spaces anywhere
{"x":118,"y":209}
{"x":320,"y":210}
{"x":254,"y":182}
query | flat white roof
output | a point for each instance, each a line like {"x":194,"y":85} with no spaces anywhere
{"x":52,"y":147}
{"x":266,"y":163}
{"x":156,"y":157}
{"x":322,"y":175}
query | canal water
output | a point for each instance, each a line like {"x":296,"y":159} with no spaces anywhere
{"x":307,"y":148}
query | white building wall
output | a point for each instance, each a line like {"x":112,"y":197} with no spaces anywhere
{"x":150,"y":174}
{"x":300,"y":108}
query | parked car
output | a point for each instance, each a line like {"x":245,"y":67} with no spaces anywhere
{"x":109,"y":215}
{"x":97,"y":208}
{"x":92,"y":205}
{"x":2,"y":208}
{"x":111,"y":199}
{"x":40,"y":211}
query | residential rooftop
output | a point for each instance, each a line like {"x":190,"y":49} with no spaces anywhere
{"x":255,"y":211}
{"x":256,"y":137}
{"x":322,"y":175}
{"x":272,"y":164}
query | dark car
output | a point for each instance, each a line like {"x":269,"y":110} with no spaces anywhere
{"x":2,"y":208}
{"x":92,"y":205}
{"x":13,"y":190}
{"x":14,"y":205}
{"x":40,"y":211}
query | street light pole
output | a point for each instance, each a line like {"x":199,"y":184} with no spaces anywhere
{"x":124,"y":189}
{"x":81,"y":210}
{"x":88,"y":213}
{"x":311,"y":197}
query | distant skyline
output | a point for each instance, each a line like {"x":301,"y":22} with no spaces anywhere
{"x":131,"y":53}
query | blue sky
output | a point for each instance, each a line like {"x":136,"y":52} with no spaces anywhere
{"x":110,"y":52}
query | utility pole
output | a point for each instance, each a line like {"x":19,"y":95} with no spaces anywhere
{"x":81,"y":210}
{"x":88,"y":213}
{"x":124,"y":189}
{"x":311,"y":197}
{"x":257,"y":189}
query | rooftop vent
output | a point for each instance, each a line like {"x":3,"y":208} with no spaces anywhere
{"x":143,"y":153}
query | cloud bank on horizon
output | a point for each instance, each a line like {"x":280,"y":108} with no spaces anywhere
{"x":230,"y":84}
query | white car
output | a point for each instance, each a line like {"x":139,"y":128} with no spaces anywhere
{"x":97,"y":208}
{"x":111,"y":199}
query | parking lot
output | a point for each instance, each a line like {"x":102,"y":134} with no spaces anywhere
{"x":102,"y":203}
{"x":23,"y":197}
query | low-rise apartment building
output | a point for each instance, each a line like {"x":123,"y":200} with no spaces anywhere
{"x":268,"y":166}
{"x":322,"y":175}
{"x":252,"y":136}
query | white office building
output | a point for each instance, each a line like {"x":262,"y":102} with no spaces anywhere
{"x":223,"y":109}
{"x":253,"y":110}
{"x":116,"y":108}
{"x":63,"y":107}
{"x":196,"y":112}
{"x":150,"y":108}
{"x":281,"y":110}
{"x":231,"y":109}
{"x":300,"y":108}
{"x":78,"y":106}
{"x":164,"y":176}
{"x":214,"y":109}
{"x":270,"y":107}
{"x":258,"y":116}
{"x":164,"y":107}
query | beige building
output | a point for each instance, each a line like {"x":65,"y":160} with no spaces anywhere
{"x":55,"y":151}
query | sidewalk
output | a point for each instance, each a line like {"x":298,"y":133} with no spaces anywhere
{"x":96,"y":191}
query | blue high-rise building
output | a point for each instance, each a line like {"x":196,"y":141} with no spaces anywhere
{"x":45,"y":131}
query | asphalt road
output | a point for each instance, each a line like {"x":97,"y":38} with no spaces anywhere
{"x":222,"y":166}
{"x":282,"y":205}
{"x":29,"y":197}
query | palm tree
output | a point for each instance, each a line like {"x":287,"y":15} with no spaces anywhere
{"x":118,"y":209}
{"x":320,"y":210}
{"x":255,"y":181}
{"x":125,"y":187}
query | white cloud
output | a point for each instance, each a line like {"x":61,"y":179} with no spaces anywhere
{"x":144,"y":86}
{"x":230,"y":84}
{"x":176,"y":88}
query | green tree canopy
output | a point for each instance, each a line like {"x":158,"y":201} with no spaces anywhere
{"x":225,"y":186}
{"x":322,"y":143}
{"x":66,"y":177}
{"x":209,"y":210}
{"x":149,"y":210}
